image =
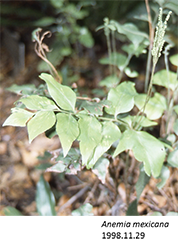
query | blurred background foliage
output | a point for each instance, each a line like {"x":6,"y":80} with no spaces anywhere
{"x":73,"y":23}
{"x":26,"y":12}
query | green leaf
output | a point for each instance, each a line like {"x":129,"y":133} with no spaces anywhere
{"x":69,"y":164}
{"x":62,"y":95}
{"x":132,"y":209}
{"x":11,"y":211}
{"x":155,"y":106}
{"x":72,"y":11}
{"x":175,"y":127}
{"x":85,"y":37}
{"x":142,"y":182}
{"x":67,"y":130}
{"x":100,"y":168}
{"x":45,"y":21}
{"x":116,"y":59}
{"x":131,"y":49}
{"x":173,"y":158}
{"x":110,"y":133}
{"x":171,"y":139}
{"x":161,"y":78}
{"x":90,"y":136}
{"x":57,"y":4}
{"x":132,"y":33}
{"x":35,"y":102}
{"x":14,"y":223}
{"x":45,"y":203}
{"x":58,"y":167}
{"x":165,"y":173}
{"x":156,"y":216}
{"x":172,"y":5}
{"x":172,"y":216}
{"x":142,"y":17}
{"x":109,"y":81}
{"x":19,"y":117}
{"x":24,"y":89}
{"x":95,"y":108}
{"x":145,"y":122}
{"x":122,"y":98}
{"x":42,"y":121}
{"x":144,"y":146}
{"x":174,"y":59}
{"x":130,"y":73}
{"x":176,"y":108}
{"x":84,"y":209}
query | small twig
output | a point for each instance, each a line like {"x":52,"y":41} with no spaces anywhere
{"x":126,"y":179}
{"x":172,"y":202}
{"x":84,"y":98}
{"x":132,"y":165}
{"x":74,"y":198}
{"x":153,"y":207}
{"x":91,"y":193}
{"x":118,"y":208}
{"x":76,"y":187}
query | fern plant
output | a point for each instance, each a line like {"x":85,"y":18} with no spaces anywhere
{"x":103,"y":127}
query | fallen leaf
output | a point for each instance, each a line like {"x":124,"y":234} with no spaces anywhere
{"x":122,"y":191}
{"x":3,"y":148}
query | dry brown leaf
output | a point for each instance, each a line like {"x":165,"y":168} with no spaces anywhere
{"x":20,"y":173}
{"x":30,"y":152}
{"x":35,"y":175}
{"x":141,"y":208}
{"x":3,"y":148}
{"x":14,"y":153}
{"x":30,"y":209}
{"x":5,"y":177}
{"x":67,"y":210}
{"x":47,"y":176}
{"x":122,"y":191}
{"x":159,"y":200}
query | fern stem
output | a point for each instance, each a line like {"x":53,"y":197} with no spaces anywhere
{"x":114,"y":50}
{"x":147,"y":98}
{"x":109,"y":52}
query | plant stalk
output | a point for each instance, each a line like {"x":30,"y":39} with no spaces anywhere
{"x":147,"y":97}
{"x":126,"y":172}
{"x":151,"y":38}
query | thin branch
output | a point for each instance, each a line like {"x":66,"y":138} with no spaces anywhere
{"x":85,"y":98}
{"x":76,"y":187}
{"x":74,"y":198}
{"x":91,"y":193}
